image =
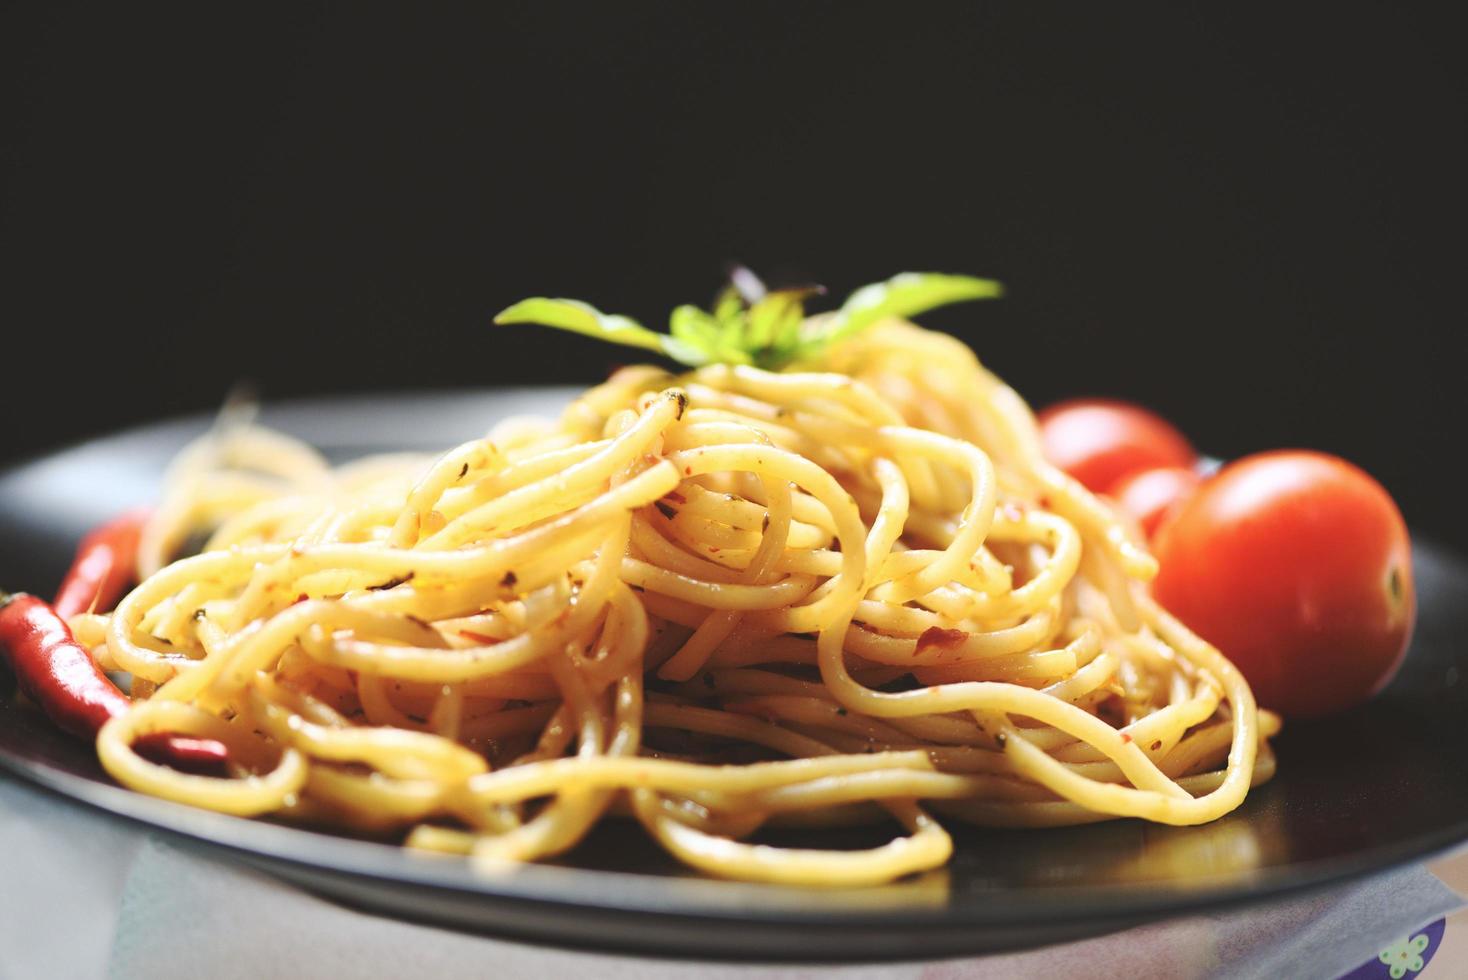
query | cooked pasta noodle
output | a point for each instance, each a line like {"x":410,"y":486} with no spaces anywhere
{"x":708,"y":603}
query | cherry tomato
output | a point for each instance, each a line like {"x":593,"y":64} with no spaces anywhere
{"x":1099,"y":442}
{"x":1151,"y":495}
{"x":1297,"y":566}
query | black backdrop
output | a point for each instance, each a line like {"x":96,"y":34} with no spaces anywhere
{"x":1250,"y":220}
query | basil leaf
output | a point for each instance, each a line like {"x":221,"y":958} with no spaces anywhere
{"x":904,"y":295}
{"x":774,"y":324}
{"x":728,"y":305}
{"x":693,"y":326}
{"x":582,"y":318}
{"x":751,"y":326}
{"x":688,"y":354}
{"x":702,"y":339}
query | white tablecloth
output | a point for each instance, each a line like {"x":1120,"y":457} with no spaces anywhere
{"x":85,"y":896}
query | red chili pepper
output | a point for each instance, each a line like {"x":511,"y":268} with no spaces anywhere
{"x":60,"y":675}
{"x":106,"y":564}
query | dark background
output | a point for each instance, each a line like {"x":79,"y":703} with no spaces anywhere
{"x":1248,"y":219}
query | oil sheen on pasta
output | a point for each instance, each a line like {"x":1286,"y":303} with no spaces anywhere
{"x":853,"y":591}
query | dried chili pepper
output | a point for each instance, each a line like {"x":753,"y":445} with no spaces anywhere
{"x":106,"y":564}
{"x":63,"y":679}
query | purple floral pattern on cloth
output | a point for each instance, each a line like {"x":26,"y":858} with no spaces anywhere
{"x":1404,"y":958}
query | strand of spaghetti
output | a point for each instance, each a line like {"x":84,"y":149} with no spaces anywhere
{"x":1245,"y":743}
{"x":1066,"y":813}
{"x":1029,"y":665}
{"x":378,"y":708}
{"x":518,"y":471}
{"x":569,"y":487}
{"x":717,"y":627}
{"x":252,"y":525}
{"x":221,"y":565}
{"x":648,"y":546}
{"x":1054,"y":533}
{"x":807,"y":388}
{"x":538,"y":779}
{"x":424,"y":661}
{"x":446,"y":719}
{"x":929,"y":846}
{"x":393,"y":751}
{"x":455,"y":466}
{"x":572,"y":821}
{"x":1165,"y":725}
{"x":490,"y":560}
{"x":1014,"y":425}
{"x":973,"y":523}
{"x":718,"y":595}
{"x":744,"y":514}
{"x":994,"y":697}
{"x":880,"y":784}
{"x":779,"y":464}
{"x":387,"y":802}
{"x":575,"y":809}
{"x":242,"y":448}
{"x":946,"y":647}
{"x":448,"y":666}
{"x":728,"y":725}
{"x":247,"y":796}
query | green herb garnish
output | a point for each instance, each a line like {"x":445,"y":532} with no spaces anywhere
{"x":750,"y":326}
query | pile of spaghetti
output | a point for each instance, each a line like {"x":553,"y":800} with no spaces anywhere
{"x":847,"y":591}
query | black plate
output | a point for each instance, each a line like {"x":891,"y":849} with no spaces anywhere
{"x":1355,"y":794}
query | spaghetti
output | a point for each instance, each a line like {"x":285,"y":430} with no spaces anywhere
{"x":851,"y":591}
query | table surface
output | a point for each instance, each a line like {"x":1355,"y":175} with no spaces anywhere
{"x":1450,"y":953}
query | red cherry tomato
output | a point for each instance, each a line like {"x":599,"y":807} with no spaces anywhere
{"x":1151,"y":495}
{"x":1297,"y":566}
{"x":1099,"y":442}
